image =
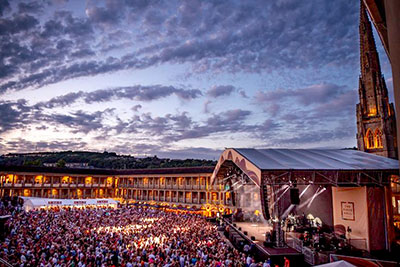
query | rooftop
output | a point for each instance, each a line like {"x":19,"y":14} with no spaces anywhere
{"x":316,"y":159}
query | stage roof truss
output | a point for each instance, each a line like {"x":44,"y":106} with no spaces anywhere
{"x":333,"y":178}
{"x":332,"y":167}
{"x":231,"y":166}
{"x":373,"y":179}
{"x":331,"y":181}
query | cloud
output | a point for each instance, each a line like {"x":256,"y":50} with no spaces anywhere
{"x":18,"y":23}
{"x":136,"y":108}
{"x":313,"y":137}
{"x":13,"y":115}
{"x":221,"y":90}
{"x":79,"y":121}
{"x":213,"y":37}
{"x":317,"y":93}
{"x":141,"y":93}
{"x":111,"y":14}
{"x":175,"y":127}
{"x":227,"y":121}
{"x":4,"y":5}
{"x":21,"y":145}
{"x":243,"y":94}
{"x":311,"y":114}
{"x":320,"y":99}
{"x":32,"y":7}
{"x":137,"y":92}
{"x":189,"y":153}
{"x":61,"y":101}
{"x":206,"y":106}
{"x":205,"y":41}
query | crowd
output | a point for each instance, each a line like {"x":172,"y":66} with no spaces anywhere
{"x":9,"y":205}
{"x":127,"y":236}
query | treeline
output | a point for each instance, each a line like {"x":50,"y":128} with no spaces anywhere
{"x":105,"y":160}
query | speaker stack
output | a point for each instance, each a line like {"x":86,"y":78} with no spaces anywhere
{"x":294,"y":196}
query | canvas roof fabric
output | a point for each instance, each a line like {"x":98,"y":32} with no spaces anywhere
{"x":337,"y":264}
{"x":316,"y":159}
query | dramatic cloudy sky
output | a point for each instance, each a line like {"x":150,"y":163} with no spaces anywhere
{"x":178,"y":78}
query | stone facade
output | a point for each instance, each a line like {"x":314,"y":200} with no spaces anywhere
{"x":376,"y":120}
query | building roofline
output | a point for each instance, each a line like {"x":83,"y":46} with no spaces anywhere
{"x":111,"y":172}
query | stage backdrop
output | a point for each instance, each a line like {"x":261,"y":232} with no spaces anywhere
{"x":350,"y":209}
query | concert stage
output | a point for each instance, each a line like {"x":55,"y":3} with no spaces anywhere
{"x":344,"y":189}
{"x":258,"y":230}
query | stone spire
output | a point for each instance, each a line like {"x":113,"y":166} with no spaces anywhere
{"x":369,"y":59}
{"x":376,"y":123}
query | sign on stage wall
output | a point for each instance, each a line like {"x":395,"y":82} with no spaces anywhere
{"x":348,"y":211}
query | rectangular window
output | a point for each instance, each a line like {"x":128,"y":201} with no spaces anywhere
{"x":398,"y":206}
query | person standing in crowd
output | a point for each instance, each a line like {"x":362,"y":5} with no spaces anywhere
{"x":287,"y":262}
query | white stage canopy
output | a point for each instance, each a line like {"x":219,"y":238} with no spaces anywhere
{"x":316,"y":159}
{"x":337,"y":264}
{"x":38,"y":203}
{"x":255,"y":162}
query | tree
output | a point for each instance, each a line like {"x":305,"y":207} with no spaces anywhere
{"x":60,"y":163}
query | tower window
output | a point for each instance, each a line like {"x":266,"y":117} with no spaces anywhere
{"x":378,"y":138}
{"x":370,"y":140}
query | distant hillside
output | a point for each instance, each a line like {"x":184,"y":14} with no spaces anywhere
{"x":106,"y":160}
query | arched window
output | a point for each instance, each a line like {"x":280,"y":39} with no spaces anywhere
{"x":378,"y":138}
{"x":370,"y":142}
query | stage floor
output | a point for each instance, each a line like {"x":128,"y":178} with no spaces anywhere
{"x":258,"y":230}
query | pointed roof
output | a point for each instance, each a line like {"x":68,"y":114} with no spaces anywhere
{"x":367,"y":43}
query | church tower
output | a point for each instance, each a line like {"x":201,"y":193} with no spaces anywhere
{"x":376,"y":121}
